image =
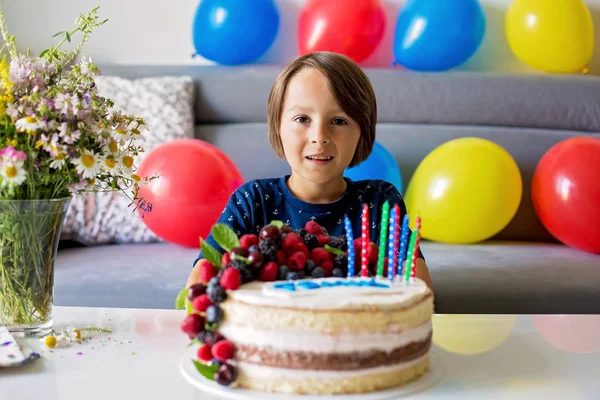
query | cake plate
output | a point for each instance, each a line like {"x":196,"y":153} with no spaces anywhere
{"x":431,"y":378}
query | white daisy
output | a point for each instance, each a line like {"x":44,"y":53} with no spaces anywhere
{"x":29,"y":124}
{"x":125,"y":162}
{"x":111,"y":166}
{"x":12,"y":173}
{"x":111,"y":148}
{"x":58,"y":161}
{"x":89,"y":165}
{"x":136,"y":134}
{"x":121,"y":135}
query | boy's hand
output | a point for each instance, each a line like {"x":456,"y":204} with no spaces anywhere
{"x":194,"y":276}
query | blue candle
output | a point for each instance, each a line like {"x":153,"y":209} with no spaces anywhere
{"x":350,"y":241}
{"x":403,"y":243}
{"x":390,"y":246}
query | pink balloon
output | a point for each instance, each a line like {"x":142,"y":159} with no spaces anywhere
{"x":570,"y":333}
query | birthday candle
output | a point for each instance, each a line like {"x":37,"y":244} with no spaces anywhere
{"x":350,"y":241}
{"x":390,"y":245}
{"x":403,"y":243}
{"x":396,"y":237}
{"x":385,"y":213}
{"x":364,"y":264}
{"x":411,"y":250}
{"x":413,"y":261}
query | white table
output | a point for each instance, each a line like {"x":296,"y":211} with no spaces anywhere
{"x":141,"y":361}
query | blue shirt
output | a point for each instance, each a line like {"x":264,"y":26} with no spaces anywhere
{"x":256,"y":203}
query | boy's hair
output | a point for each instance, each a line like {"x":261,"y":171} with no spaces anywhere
{"x":349,"y":85}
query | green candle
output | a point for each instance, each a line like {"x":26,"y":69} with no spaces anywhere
{"x":411,"y":250}
{"x":385,"y":216}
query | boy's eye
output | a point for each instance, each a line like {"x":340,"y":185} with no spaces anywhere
{"x":339,"y":121}
{"x":302,"y":119}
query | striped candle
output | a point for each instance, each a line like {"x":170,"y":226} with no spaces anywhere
{"x":396,"y":237}
{"x":385,"y":214}
{"x":364,"y":259}
{"x":350,"y":241}
{"x":411,"y":250}
{"x":390,"y":245}
{"x":403,"y":243}
{"x":415,"y":255}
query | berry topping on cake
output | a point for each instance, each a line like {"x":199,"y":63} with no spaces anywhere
{"x":206,"y":271}
{"x":248,"y":240}
{"x":323,"y":240}
{"x":328,"y":267}
{"x":214,"y":314}
{"x":269,"y":232}
{"x":296,"y":261}
{"x":225,"y":375}
{"x":281,"y":257}
{"x":283,"y":271}
{"x":320,"y":255}
{"x":204,"y":353}
{"x":223,"y":350}
{"x":231,"y":279}
{"x":216,"y":294}
{"x":314,"y":228}
{"x":339,"y":243}
{"x":201,"y":303}
{"x":256,"y":258}
{"x":294,"y":275}
{"x":310,"y":241}
{"x":338,"y":273}
{"x":269,"y":272}
{"x":209,"y":337}
{"x":196,"y":290}
{"x":225,"y":259}
{"x":318,"y":272}
{"x":238,"y":251}
{"x":192,"y":325}
{"x":290,"y":241}
{"x":268,"y":248}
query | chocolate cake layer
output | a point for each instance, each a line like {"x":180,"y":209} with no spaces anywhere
{"x":330,"y":361}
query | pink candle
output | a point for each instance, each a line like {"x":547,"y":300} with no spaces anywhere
{"x":396,"y":238}
{"x":364,"y":259}
{"x":413,"y":262}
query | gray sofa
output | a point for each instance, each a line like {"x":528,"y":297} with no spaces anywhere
{"x":521,"y":270}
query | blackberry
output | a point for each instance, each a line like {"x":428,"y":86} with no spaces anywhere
{"x":216,"y":294}
{"x":295,"y":275}
{"x":338,"y":243}
{"x":268,"y":248}
{"x":301,"y":232}
{"x":283,"y":271}
{"x":245,"y":270}
{"x":237,"y":264}
{"x":310,"y":241}
{"x":338,"y":273}
{"x":209,"y":337}
{"x":318,"y":272}
{"x":340,"y":261}
{"x":214,"y":314}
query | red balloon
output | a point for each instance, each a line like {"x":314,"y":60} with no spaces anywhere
{"x":195,"y":183}
{"x":353,"y":28}
{"x":566,"y":192}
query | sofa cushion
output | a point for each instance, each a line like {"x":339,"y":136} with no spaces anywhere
{"x":491,"y":277}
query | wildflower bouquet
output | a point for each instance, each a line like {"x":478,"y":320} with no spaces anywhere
{"x":58,"y":137}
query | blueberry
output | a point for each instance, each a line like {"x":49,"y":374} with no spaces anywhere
{"x":283,"y":271}
{"x":294,"y":275}
{"x":253,"y":248}
{"x":216,"y":294}
{"x":318,"y":272}
{"x":310,"y":265}
{"x":338,"y":273}
{"x":214,"y":314}
{"x":214,"y":281}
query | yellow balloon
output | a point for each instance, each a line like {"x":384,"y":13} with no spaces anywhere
{"x":471,"y":334}
{"x":466,"y":191}
{"x":554,"y":36}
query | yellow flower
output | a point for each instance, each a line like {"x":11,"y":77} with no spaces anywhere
{"x":58,"y":161}
{"x":12,"y":173}
{"x":50,"y":341}
{"x":111,"y":166}
{"x":28,"y":124}
{"x":89,"y":164}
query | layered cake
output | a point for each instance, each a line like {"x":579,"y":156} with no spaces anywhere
{"x":284,"y":311}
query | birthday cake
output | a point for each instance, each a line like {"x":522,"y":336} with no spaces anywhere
{"x":283,"y":312}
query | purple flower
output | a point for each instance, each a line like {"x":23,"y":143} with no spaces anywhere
{"x":11,"y":154}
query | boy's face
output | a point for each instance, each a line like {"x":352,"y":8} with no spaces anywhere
{"x":319,"y":139}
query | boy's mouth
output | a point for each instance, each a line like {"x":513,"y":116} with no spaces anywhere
{"x":320,"y":157}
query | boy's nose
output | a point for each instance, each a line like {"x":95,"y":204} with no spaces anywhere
{"x":320,"y":135}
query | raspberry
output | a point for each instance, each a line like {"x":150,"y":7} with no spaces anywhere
{"x":290,"y":241}
{"x":302,"y":248}
{"x":206,"y":271}
{"x":313,"y":227}
{"x":245,"y":271}
{"x":323,"y":240}
{"x":216,"y":294}
{"x":269,"y":272}
{"x":192,"y":325}
{"x":296,"y":261}
{"x":223,"y":350}
{"x":281,"y":257}
{"x":201,"y":303}
{"x":373,"y":252}
{"x":310,"y":241}
{"x":319,"y":255}
{"x":225,"y":259}
{"x":204,"y":353}
{"x":248,"y":240}
{"x":214,"y":314}
{"x":209,"y":337}
{"x":231,"y":279}
{"x":328,"y":267}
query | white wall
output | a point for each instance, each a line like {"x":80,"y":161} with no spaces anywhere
{"x":160,"y":32}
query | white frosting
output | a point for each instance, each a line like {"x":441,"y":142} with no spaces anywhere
{"x":317,"y":343}
{"x":264,"y":372}
{"x":340,"y":297}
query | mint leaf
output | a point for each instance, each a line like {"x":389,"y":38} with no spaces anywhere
{"x":180,"y":300}
{"x":242,"y":258}
{"x":195,"y":341}
{"x":278,"y":224}
{"x":207,"y":371}
{"x":190,"y":308}
{"x":210,"y":253}
{"x":333,"y":250}
{"x":210,"y":327}
{"x":225,"y":236}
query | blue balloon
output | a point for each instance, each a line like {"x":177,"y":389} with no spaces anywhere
{"x":379,"y":165}
{"x":434,"y":35}
{"x":233,"y":32}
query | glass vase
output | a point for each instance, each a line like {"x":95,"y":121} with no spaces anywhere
{"x":29,"y":236}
